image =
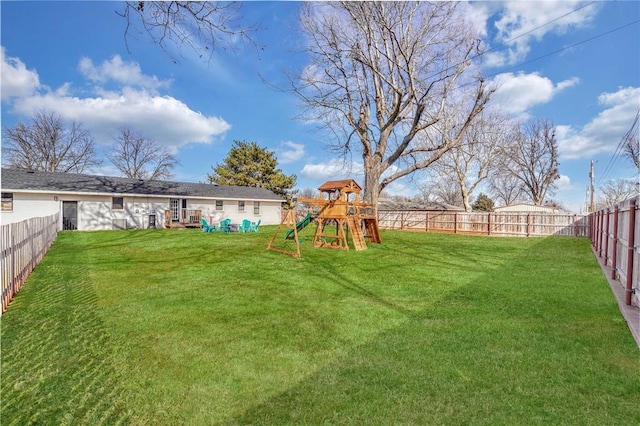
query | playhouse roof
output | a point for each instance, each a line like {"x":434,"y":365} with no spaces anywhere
{"x":346,"y":184}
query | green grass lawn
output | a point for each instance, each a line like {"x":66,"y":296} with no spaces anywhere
{"x":179,"y":327}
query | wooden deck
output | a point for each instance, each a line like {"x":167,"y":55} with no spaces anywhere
{"x":188,"y":219}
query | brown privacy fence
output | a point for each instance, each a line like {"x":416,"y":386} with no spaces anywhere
{"x":615,"y":235}
{"x":24,"y":244}
{"x":524,"y":224}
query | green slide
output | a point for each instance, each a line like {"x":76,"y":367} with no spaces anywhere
{"x":300,"y":225}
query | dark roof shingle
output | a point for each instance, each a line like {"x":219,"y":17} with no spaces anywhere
{"x":20,"y":179}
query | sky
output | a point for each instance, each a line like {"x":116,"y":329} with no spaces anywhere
{"x":575,"y":63}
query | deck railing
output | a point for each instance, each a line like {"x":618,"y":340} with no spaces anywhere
{"x":24,"y":244}
{"x":187,"y":217}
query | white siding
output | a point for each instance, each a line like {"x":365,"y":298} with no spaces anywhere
{"x":270,"y":211}
{"x":28,"y":205}
{"x":525,"y":208}
{"x":95,"y":211}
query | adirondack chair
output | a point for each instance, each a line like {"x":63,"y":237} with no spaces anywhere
{"x":254,"y":227}
{"x":225,"y":226}
{"x":245,"y":226}
{"x":206,"y":227}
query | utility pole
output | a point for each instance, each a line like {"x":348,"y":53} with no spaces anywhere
{"x":591,"y":176}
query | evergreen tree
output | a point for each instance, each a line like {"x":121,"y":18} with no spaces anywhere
{"x":483,"y":203}
{"x":248,"y":164}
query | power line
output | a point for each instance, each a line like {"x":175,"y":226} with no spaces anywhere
{"x":505,"y":43}
{"x":567,"y":47}
{"x":619,"y":148}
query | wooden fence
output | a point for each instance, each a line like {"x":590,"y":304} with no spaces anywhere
{"x":500,"y":224}
{"x":615,"y":236}
{"x":24,"y":244}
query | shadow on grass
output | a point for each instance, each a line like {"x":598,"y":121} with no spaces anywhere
{"x":543,"y":356}
{"x":446,"y":354}
{"x":68,"y":377}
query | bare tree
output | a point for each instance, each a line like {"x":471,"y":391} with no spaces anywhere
{"x":533,"y":160}
{"x":139,"y":157}
{"x":632,"y":150}
{"x":505,"y":188}
{"x":441,"y":189}
{"x":49,"y":144}
{"x":201,"y":26}
{"x":382,"y":74}
{"x":615,"y":191}
{"x":477,"y":157}
{"x":307,"y":193}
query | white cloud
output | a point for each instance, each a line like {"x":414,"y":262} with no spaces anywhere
{"x":398,"y":187}
{"x":605,"y":131}
{"x":522,"y":22}
{"x":517,"y":93}
{"x":291,"y":152}
{"x":332,"y":170}
{"x":119,"y":71}
{"x":564,"y":183}
{"x":15,"y":79}
{"x":340,"y":169}
{"x":166,"y":120}
{"x":135,"y":104}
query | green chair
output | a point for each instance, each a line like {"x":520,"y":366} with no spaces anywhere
{"x":206,"y":227}
{"x":245,"y":226}
{"x":254,"y":227}
{"x":225,"y":226}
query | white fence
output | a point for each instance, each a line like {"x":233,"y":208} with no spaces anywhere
{"x":24,"y":244}
{"x":526,"y":224}
{"x":615,"y":236}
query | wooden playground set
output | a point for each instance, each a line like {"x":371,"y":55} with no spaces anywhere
{"x":338,"y":204}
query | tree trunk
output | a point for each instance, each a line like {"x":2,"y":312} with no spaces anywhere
{"x":465,"y":199}
{"x":372,"y":172}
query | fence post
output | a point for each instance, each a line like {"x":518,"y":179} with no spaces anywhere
{"x":606,"y":236}
{"x":401,"y":220}
{"x":614,"y":249}
{"x":488,"y":223}
{"x":600,"y":234}
{"x":631,"y":249}
{"x":455,"y":222}
{"x":426,"y":222}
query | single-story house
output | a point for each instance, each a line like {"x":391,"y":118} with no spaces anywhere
{"x":90,"y":202}
{"x":526,"y":208}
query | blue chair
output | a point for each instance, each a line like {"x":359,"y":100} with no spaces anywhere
{"x":254,"y":227}
{"x":206,"y":227}
{"x":245,"y":226}
{"x":225,"y":226}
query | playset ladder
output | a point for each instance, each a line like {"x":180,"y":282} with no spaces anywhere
{"x":356,"y":233}
{"x":372,"y":231}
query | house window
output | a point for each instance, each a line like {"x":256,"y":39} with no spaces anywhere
{"x":219,"y":205}
{"x":7,"y":201}
{"x":256,"y":208}
{"x":117,"y":203}
{"x":241,"y":206}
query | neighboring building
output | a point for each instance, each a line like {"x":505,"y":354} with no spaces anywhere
{"x":526,"y":208}
{"x":89,"y":202}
